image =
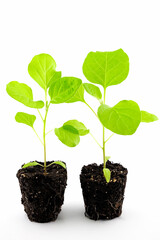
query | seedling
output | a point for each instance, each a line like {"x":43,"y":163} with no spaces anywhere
{"x":57,"y":90}
{"x":105,"y":69}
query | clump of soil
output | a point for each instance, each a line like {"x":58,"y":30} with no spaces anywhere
{"x":42,"y":194}
{"x":103,"y":200}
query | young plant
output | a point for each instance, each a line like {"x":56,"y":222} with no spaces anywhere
{"x":57,"y":90}
{"x":105,"y":69}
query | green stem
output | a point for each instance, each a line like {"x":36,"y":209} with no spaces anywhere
{"x":104,"y":154}
{"x":40,"y":114}
{"x":50,"y":131}
{"x":37,"y":135}
{"x":109,"y":138}
{"x":96,"y":140}
{"x":44,"y":129}
{"x":91,"y":108}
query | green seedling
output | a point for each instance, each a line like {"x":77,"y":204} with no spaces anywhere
{"x":105,"y":69}
{"x":57,"y":89}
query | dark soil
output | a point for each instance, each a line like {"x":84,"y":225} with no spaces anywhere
{"x":103,"y":200}
{"x":42,"y":194}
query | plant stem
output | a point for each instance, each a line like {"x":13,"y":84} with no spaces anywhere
{"x":37,"y":135}
{"x":109,"y":138}
{"x":40,"y":114}
{"x":95,"y":140}
{"x":50,"y":131}
{"x":44,"y":129}
{"x":91,"y":108}
{"x":104,"y":159}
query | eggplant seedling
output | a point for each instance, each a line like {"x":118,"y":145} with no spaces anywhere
{"x":105,"y":69}
{"x":57,"y":90}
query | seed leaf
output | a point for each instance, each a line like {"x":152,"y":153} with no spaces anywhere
{"x":148,"y":117}
{"x":42,"y":69}
{"x":31,"y":164}
{"x":106,"y":68}
{"x":25,"y":118}
{"x":82,"y":130}
{"x":107,"y":174}
{"x":107,"y":158}
{"x":68,"y":135}
{"x":23,"y":93}
{"x":62,"y":90}
{"x":93,"y":90}
{"x":59,"y":163}
{"x":78,"y":95}
{"x":124,"y":118}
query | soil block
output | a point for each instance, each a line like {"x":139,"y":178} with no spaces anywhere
{"x":42,"y":194}
{"x":103,"y":200}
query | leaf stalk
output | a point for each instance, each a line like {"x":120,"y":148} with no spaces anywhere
{"x":96,"y":140}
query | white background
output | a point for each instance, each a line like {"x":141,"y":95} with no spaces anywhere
{"x":68,"y":30}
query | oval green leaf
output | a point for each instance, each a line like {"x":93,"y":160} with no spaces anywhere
{"x":107,"y":158}
{"x":64,"y":89}
{"x":25,"y":118}
{"x":58,"y":163}
{"x":107,"y":174}
{"x":68,"y":135}
{"x":82,"y":130}
{"x":78,"y":95}
{"x":42,"y":69}
{"x":23,"y":93}
{"x":106,"y":68}
{"x":93,"y":90}
{"x":148,"y":117}
{"x":124,"y":118}
{"x":56,"y":77}
{"x":31,"y":164}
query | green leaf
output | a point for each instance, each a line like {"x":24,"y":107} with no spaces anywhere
{"x":78,"y":96}
{"x":42,"y":69}
{"x":56,"y":77}
{"x":93,"y":90}
{"x":124,"y":118}
{"x":107,"y":158}
{"x":31,"y":164}
{"x":68,"y":135}
{"x":148,"y":117}
{"x":23,"y":93}
{"x":106,"y":68}
{"x":82,"y":130}
{"x":107,"y":174}
{"x":63,"y":89}
{"x":25,"y":118}
{"x":59,"y":163}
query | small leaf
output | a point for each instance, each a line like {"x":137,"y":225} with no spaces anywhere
{"x":148,"y":117}
{"x":59,"y":163}
{"x":93,"y":90}
{"x":78,"y":95}
{"x":124,"y":118}
{"x":107,"y":158}
{"x":31,"y":164}
{"x":25,"y":118}
{"x":23,"y":93}
{"x":106,"y":68}
{"x":107,"y":174}
{"x":68,"y":135}
{"x":62,"y":90}
{"x":42,"y":69}
{"x":56,"y":77}
{"x":82,"y":130}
